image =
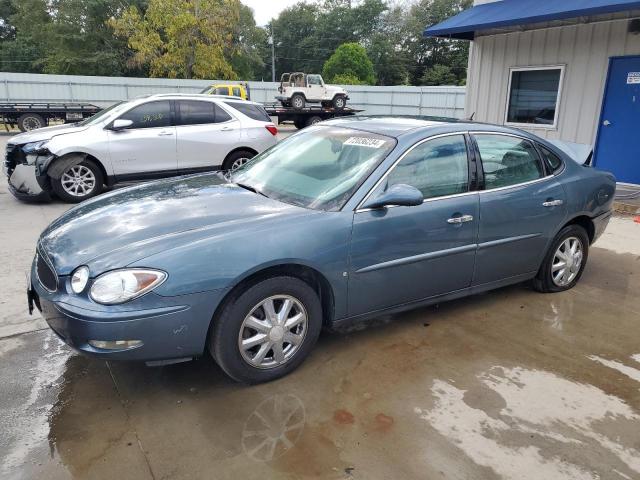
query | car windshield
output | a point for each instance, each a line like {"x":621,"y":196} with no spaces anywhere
{"x":318,"y":168}
{"x":98,"y":116}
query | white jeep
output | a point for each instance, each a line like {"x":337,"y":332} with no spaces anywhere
{"x":297,"y":89}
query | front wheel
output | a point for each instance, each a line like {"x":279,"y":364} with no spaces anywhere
{"x":78,"y":182}
{"x":565,"y":261}
{"x":339,"y":102}
{"x":267,"y":331}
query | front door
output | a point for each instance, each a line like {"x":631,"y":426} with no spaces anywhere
{"x":521,"y":208}
{"x":618,"y":145}
{"x":147,"y":147}
{"x":404,"y":254}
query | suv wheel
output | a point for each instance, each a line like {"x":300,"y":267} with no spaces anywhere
{"x":565,"y":261}
{"x":298,"y":101}
{"x":78,"y":182}
{"x":339,"y":102}
{"x":266,"y":331}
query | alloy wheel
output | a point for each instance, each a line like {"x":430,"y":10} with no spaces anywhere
{"x":238,"y":162}
{"x":567,"y":261}
{"x":273,"y":331}
{"x":78,"y":181}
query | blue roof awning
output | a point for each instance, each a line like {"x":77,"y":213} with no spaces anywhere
{"x":507,"y":13}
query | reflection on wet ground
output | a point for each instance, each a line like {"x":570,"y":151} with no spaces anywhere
{"x":509,"y":384}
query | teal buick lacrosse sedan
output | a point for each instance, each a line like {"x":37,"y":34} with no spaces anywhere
{"x":342,"y":221}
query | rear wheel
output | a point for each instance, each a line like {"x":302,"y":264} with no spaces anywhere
{"x":313,"y":120}
{"x":266,"y":331}
{"x":78,"y":182}
{"x":30,"y":121}
{"x":339,"y":102}
{"x":237,"y":159}
{"x":297,"y":101}
{"x":565,"y":261}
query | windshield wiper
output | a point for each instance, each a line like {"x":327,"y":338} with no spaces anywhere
{"x":251,"y":189}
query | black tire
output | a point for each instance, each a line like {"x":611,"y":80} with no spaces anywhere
{"x":313,"y":120}
{"x":30,"y":121}
{"x":544,"y":282}
{"x":237,"y":159}
{"x":339,"y":102}
{"x":299,"y":124}
{"x":224,"y":335}
{"x":65,"y":195}
{"x":297,"y":101}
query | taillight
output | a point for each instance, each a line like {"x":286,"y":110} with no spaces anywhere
{"x":273,"y":130}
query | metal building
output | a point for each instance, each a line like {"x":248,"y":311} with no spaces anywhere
{"x":564,"y":69}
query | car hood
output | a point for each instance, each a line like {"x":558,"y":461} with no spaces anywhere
{"x":45,"y":133}
{"x":127,"y":225}
{"x":334,"y":89}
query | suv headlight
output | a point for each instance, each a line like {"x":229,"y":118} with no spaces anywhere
{"x":120,"y":286}
{"x":79,"y":279}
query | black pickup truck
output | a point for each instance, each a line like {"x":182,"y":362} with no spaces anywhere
{"x":29,"y":116}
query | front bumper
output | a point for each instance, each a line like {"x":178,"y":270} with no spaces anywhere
{"x":168,"y":327}
{"x":24,"y":173}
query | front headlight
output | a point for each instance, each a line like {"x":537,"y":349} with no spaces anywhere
{"x":79,"y":279}
{"x":121,"y":286}
{"x":35,"y":146}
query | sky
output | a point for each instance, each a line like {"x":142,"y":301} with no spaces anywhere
{"x":265,"y":10}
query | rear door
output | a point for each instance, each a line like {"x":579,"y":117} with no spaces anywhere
{"x":521,"y":208}
{"x":148,"y":146}
{"x":206,"y":134}
{"x":405,"y":254}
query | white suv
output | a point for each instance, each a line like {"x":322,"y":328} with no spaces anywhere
{"x":150,"y":137}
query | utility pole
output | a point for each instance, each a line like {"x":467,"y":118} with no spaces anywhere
{"x":273,"y":56}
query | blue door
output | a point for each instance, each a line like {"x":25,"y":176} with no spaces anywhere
{"x":618,"y":146}
{"x":404,"y":254}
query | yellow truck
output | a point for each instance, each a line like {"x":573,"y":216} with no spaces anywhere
{"x":231,"y":90}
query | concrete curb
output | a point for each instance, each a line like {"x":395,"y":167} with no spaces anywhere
{"x":627,"y":208}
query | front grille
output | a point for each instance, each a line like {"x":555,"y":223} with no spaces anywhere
{"x":12,"y":157}
{"x":46,"y":274}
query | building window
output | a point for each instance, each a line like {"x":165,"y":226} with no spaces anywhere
{"x":534,"y":96}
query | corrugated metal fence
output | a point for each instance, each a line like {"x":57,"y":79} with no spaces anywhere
{"x":103,"y":91}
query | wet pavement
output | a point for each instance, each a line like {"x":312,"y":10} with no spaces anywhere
{"x":509,"y":384}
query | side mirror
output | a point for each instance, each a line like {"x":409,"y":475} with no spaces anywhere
{"x":400,"y":194}
{"x":121,"y":124}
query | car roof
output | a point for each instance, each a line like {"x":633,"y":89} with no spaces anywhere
{"x":400,"y":126}
{"x":197,"y":96}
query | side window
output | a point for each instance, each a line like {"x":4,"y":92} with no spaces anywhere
{"x":221,"y":115}
{"x":507,"y":160}
{"x":222,"y":91}
{"x":236,"y":92}
{"x":437,"y":167}
{"x":195,"y":113}
{"x":551,"y":159}
{"x":149,"y":115}
{"x":256,"y":112}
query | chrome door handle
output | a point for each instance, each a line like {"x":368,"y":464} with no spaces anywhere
{"x":460,"y":219}
{"x":552,"y":203}
{"x":165,"y":134}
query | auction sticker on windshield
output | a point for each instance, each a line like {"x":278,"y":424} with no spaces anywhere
{"x":365,"y":142}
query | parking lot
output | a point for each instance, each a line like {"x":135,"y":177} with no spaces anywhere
{"x":509,"y":384}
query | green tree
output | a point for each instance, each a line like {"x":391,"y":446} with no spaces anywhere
{"x":349,"y":59}
{"x":347,"y":79}
{"x":439,"y":75}
{"x":247,"y":47}
{"x":23,"y":44}
{"x":182,"y":38}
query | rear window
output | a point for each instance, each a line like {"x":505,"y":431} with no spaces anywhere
{"x":256,"y":112}
{"x":551,"y":159}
